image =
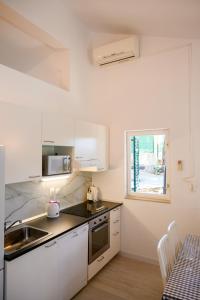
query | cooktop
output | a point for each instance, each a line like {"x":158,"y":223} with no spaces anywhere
{"x":86,"y":209}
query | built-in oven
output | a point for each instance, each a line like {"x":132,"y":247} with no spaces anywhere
{"x":99,"y":236}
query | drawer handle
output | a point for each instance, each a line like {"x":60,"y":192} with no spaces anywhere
{"x":100,"y":169}
{"x":116,"y":233}
{"x":116,"y":209}
{"x":75,"y":235}
{"x":51,"y":142}
{"x":91,"y":159}
{"x":79,"y":157}
{"x":100,"y":259}
{"x":35,"y":176}
{"x":51,"y":245}
{"x":115,"y":222}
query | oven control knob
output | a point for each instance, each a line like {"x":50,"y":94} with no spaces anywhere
{"x":95,"y":222}
{"x":104,"y":217}
{"x":100,"y":220}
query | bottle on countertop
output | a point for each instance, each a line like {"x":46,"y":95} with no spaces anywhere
{"x":89,"y":195}
{"x":92,"y":194}
{"x":94,"y":190}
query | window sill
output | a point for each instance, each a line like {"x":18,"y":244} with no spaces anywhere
{"x":149,"y":198}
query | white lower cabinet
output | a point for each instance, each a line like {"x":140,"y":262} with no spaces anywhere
{"x":73,"y":262}
{"x":101,"y":261}
{"x":54,"y":271}
{"x":34,"y":275}
{"x":114,"y":231}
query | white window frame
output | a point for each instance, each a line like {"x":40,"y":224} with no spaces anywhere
{"x":129,"y":194}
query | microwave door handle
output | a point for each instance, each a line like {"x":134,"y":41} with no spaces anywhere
{"x":100,"y":227}
{"x":65,"y":163}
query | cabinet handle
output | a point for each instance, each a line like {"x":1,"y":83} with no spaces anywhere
{"x":79,"y":157}
{"x":116,"y":233}
{"x":100,"y":169}
{"x":116,"y":209}
{"x":51,"y":142}
{"x":90,"y":159}
{"x":75,"y":235}
{"x":48,"y":246}
{"x":100,"y":259}
{"x":115,"y":222}
{"x":35,"y":176}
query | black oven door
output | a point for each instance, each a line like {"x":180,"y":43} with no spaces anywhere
{"x":99,"y":240}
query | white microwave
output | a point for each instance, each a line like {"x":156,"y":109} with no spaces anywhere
{"x":56,"y":164}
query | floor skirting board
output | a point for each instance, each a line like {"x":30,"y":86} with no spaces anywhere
{"x":139,"y":258}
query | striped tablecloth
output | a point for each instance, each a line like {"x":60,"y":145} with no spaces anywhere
{"x":184,"y":280}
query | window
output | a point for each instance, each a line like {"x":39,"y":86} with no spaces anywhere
{"x":147,"y":165}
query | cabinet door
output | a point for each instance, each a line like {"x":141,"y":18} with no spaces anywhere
{"x":33,"y":276}
{"x":102,"y":147}
{"x":114,"y":231}
{"x":91,"y":146}
{"x":21,"y":134}
{"x":73,"y":262}
{"x":85,"y":141}
{"x":57,"y":129}
{"x":1,"y":285}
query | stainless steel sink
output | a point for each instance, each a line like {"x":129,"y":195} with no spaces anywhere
{"x":19,"y":238}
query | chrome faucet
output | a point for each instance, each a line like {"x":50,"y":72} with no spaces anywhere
{"x":11,"y":225}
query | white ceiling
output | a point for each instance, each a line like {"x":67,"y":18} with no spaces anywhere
{"x":172,"y":18}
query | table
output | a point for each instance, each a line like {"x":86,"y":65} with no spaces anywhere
{"x":184,"y":280}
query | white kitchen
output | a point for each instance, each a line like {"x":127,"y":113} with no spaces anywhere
{"x":99,"y":149}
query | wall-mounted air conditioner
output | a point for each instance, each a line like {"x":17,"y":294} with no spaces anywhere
{"x":117,"y":51}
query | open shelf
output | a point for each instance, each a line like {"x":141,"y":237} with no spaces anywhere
{"x":28,"y":49}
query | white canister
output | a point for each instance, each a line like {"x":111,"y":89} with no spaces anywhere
{"x":53,"y":209}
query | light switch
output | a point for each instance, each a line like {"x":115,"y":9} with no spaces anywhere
{"x":180,"y":165}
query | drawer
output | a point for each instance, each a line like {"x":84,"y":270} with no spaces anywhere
{"x":115,"y":222}
{"x":115,"y":243}
{"x":98,"y":264}
{"x":114,"y":227}
{"x":115,"y":214}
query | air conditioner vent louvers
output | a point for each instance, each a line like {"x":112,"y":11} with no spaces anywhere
{"x":119,"y":60}
{"x":119,"y":51}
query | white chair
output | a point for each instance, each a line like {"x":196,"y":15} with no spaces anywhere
{"x":164,"y":258}
{"x":174,"y":242}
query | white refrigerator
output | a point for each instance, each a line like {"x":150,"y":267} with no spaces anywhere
{"x":2,"y":200}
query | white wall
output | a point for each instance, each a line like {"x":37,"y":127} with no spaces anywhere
{"x":56,"y":18}
{"x":151,"y":92}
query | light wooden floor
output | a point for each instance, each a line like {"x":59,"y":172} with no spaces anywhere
{"x":124,"y":278}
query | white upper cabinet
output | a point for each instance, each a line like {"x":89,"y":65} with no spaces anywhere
{"x":91,"y":140}
{"x":85,"y":141}
{"x":102,"y":147}
{"x":20,"y":132}
{"x":57,"y":129}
